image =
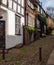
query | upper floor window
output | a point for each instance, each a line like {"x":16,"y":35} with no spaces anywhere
{"x":4,"y":2}
{"x":14,"y":6}
{"x":22,"y":3}
{"x":30,"y":4}
{"x":10,"y":4}
{"x":22,"y":11}
{"x":19,"y":9}
{"x":16,"y":0}
{"x":19,"y":1}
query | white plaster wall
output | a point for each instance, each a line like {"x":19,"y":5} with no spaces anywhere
{"x":11,"y":22}
{"x":11,"y":39}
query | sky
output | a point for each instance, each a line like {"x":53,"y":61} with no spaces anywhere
{"x":47,"y":3}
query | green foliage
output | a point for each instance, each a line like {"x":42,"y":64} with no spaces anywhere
{"x":43,"y":18}
{"x":18,"y":63}
{"x":9,"y":58}
{"x":46,"y":22}
{"x":31,"y":30}
{"x":23,"y":50}
{"x":35,"y":9}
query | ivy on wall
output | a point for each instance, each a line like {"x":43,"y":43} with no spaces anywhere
{"x":43,"y":18}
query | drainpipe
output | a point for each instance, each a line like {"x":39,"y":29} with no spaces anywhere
{"x":25,"y":22}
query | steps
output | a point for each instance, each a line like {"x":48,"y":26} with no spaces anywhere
{"x":19,"y":45}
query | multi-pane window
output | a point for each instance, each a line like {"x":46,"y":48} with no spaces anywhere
{"x":22,"y":2}
{"x":4,"y":2}
{"x":16,"y":0}
{"x":10,"y":4}
{"x":17,"y":25}
{"x":30,"y":4}
{"x":31,"y":21}
{"x":19,"y":9}
{"x":14,"y":6}
{"x":22,"y":11}
{"x":19,"y":1}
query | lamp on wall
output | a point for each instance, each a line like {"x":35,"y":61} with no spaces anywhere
{"x":1,"y":17}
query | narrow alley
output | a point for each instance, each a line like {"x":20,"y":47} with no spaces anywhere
{"x":29,"y":54}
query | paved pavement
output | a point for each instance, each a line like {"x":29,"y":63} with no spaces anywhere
{"x":51,"y":59}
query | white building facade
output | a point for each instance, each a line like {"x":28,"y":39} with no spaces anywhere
{"x":12,"y":12}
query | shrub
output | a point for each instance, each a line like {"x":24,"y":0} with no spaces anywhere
{"x":31,"y":30}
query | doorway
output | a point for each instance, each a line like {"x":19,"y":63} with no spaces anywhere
{"x":2,"y":34}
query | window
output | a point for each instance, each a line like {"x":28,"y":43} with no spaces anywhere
{"x":17,"y":25}
{"x":38,"y":23}
{"x":31,"y":21}
{"x":22,"y":11}
{"x":4,"y":2}
{"x":22,"y":3}
{"x":19,"y":9}
{"x":10,"y":4}
{"x":19,"y":1}
{"x":30,"y":4}
{"x":14,"y":6}
{"x":16,"y":0}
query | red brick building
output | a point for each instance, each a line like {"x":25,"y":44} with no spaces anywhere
{"x":30,"y":19}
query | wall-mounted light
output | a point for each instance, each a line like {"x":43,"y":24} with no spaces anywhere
{"x":1,"y":17}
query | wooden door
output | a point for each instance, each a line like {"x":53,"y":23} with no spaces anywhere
{"x":2,"y":34}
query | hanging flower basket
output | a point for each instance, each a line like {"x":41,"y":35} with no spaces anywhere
{"x":35,"y":10}
{"x":31,"y":30}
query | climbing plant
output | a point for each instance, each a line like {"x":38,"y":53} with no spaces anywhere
{"x":43,"y":18}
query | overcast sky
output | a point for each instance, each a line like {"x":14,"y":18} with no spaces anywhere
{"x":47,"y":3}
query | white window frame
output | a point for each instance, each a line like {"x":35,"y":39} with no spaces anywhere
{"x":17,"y":25}
{"x":4,"y":2}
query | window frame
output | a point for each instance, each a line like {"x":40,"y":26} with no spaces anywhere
{"x":6,"y":5}
{"x":31,"y":21}
{"x":30,"y":4}
{"x":12,"y":8}
{"x":9,"y":5}
{"x":17,"y":24}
